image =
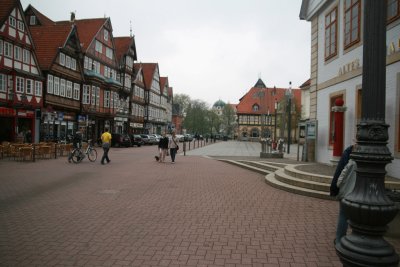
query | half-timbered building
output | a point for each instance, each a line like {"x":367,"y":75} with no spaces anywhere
{"x":125,"y":50}
{"x":59,"y":55}
{"x":153,"y":110}
{"x":21,"y":81}
{"x":262,"y":112}
{"x":137,"y":102}
{"x":166,"y":104}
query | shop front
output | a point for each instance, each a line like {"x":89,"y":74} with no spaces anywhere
{"x":57,"y":125}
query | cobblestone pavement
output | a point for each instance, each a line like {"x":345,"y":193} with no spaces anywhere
{"x":137,"y":212}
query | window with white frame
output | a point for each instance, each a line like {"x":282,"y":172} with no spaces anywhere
{"x":98,"y":96}
{"x":113,"y":102}
{"x":69,"y":89}
{"x":12,"y":21}
{"x":38,"y":88}
{"x":99,"y":46}
{"x":93,"y":98}
{"x":109,"y":53}
{"x":50,"y":85}
{"x":3,"y":83}
{"x":1,"y":47}
{"x":77,"y":91}
{"x":106,"y":99}
{"x":62,"y":59}
{"x":68,"y":62}
{"x":27,"y":56}
{"x":86,"y":94}
{"x":29,"y":86}
{"x":8,"y":50}
{"x":73,"y":63}
{"x":21,"y":25}
{"x":62,"y":87}
{"x":105,"y":35}
{"x":86,"y":63}
{"x":17,"y":53}
{"x":32,"y":20}
{"x":20,"y":85}
{"x":56,"y":86}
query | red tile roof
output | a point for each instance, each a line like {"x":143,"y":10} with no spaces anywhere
{"x":122,"y":45}
{"x":163,"y":83}
{"x":48,"y":39}
{"x":87,"y":29}
{"x":6,"y":7}
{"x":265,"y":98}
{"x":42,"y":19}
{"x":148,"y":73}
{"x":306,"y":83}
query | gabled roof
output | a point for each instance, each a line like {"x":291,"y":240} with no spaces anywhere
{"x":163,"y":84}
{"x":87,"y":29}
{"x":260,"y":84}
{"x":5,"y":9}
{"x":122,"y":46}
{"x":265,"y":98}
{"x":148,"y":73}
{"x":42,"y":19}
{"x":306,"y":83}
{"x":170,"y":91}
{"x":48,"y":39}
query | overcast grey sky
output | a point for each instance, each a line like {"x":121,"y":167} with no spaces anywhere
{"x":209,"y":49}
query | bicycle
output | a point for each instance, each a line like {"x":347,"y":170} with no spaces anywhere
{"x":78,"y":155}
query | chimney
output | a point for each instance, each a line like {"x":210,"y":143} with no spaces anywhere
{"x":72,"y":16}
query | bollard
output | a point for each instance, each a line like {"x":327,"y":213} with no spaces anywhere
{"x":55,"y":150}
{"x":184,"y":147}
{"x":34,"y":153}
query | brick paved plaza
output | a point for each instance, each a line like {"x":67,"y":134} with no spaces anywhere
{"x":137,"y":212}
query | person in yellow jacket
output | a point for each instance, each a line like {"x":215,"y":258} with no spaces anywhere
{"x":106,"y":143}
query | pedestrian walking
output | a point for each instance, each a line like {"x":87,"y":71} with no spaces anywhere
{"x":162,"y":148}
{"x":173,"y":146}
{"x":106,"y":144}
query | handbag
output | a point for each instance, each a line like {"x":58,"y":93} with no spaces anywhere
{"x":177,"y":147}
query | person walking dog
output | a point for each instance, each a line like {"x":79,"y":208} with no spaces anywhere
{"x":106,"y":144}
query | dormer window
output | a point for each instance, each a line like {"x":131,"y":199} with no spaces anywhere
{"x":256,"y":107}
{"x":32,"y":20}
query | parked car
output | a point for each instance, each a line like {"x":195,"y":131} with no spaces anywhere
{"x":188,"y":137}
{"x":148,"y":139}
{"x":119,"y":140}
{"x":180,"y":137}
{"x":136,"y":140}
{"x":157,"y":137}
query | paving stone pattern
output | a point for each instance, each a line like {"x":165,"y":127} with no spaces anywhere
{"x":137,"y":212}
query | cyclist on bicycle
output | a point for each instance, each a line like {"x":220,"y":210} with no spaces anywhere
{"x":76,"y":142}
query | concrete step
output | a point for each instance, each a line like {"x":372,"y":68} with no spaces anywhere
{"x":292,"y":171}
{"x":246,"y":166}
{"x":272,"y":181}
{"x":287,"y":177}
{"x":284,"y":177}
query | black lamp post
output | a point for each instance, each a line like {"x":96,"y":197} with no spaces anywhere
{"x":289,"y":107}
{"x":368,"y":208}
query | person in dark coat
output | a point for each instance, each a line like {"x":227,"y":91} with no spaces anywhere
{"x":162,"y":148}
{"x":28,"y":136}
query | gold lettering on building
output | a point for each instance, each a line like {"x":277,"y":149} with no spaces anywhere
{"x":393,"y":47}
{"x":354,"y":65}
